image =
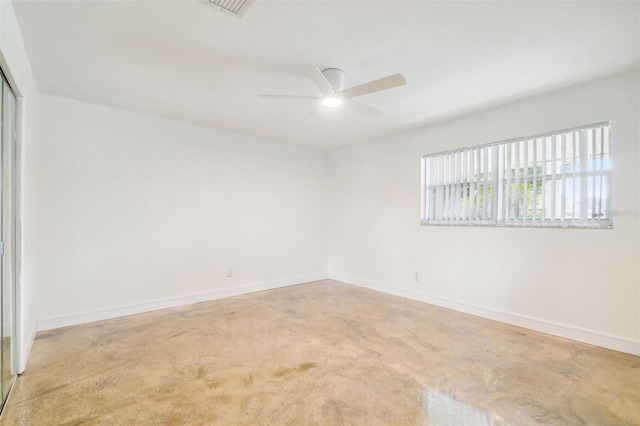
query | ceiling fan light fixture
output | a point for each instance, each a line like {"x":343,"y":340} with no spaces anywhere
{"x":332,"y":102}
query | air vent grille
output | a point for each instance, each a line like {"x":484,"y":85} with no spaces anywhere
{"x":236,"y":7}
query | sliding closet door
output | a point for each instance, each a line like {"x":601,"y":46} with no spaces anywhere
{"x":7,"y":232}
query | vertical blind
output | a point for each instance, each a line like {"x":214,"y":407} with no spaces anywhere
{"x":560,"y":179}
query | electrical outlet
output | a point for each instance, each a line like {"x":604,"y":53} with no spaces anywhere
{"x":416,"y":276}
{"x":229,"y":273}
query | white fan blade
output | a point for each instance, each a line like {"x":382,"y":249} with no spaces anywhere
{"x":362,"y":109}
{"x":290,"y":97}
{"x":316,"y":76}
{"x":374,"y":86}
{"x":310,"y":114}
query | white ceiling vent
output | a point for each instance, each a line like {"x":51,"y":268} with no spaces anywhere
{"x":235,"y":7}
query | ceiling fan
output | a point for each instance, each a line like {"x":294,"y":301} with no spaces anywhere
{"x":330,"y":81}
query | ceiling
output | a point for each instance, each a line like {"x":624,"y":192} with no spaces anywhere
{"x":188,"y":61}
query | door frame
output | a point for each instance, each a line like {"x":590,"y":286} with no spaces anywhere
{"x":17,"y":346}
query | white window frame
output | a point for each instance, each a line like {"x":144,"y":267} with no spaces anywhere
{"x":490,"y":181}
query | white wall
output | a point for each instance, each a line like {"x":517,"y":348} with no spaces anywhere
{"x":577,"y":283}
{"x":138,"y":213}
{"x":15,"y":63}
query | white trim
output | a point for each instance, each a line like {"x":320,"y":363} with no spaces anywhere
{"x":20,"y":349}
{"x":18,"y":357}
{"x":383,"y":288}
{"x":566,"y":331}
{"x":98,"y":315}
{"x":24,"y":351}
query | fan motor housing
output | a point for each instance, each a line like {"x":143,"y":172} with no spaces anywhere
{"x":335,"y":77}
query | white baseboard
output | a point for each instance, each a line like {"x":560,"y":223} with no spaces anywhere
{"x":591,"y":337}
{"x":90,"y":316}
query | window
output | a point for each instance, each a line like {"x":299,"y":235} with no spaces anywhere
{"x":558,"y":179}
